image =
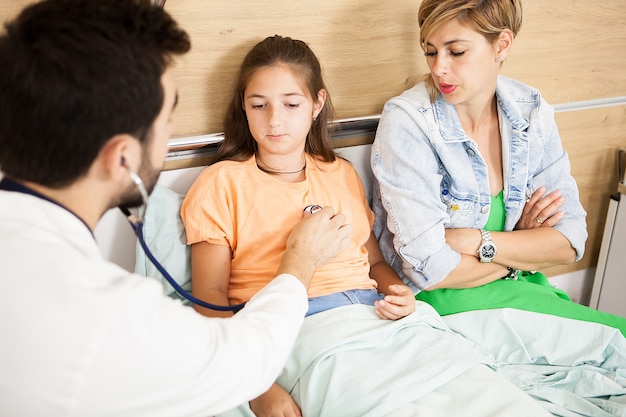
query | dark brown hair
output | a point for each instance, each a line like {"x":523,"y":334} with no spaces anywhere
{"x":238,"y":143}
{"x":73,"y":74}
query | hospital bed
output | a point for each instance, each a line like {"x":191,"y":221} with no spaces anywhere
{"x":490,"y":363}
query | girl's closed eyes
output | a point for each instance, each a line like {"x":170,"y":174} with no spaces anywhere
{"x":453,"y":53}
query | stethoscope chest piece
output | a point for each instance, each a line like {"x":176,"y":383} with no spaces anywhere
{"x":313,"y":208}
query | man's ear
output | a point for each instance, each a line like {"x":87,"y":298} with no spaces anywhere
{"x":119,"y":153}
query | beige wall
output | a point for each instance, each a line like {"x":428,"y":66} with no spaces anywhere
{"x":572,"y":50}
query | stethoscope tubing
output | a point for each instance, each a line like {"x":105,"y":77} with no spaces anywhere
{"x":137,"y":225}
{"x":138,"y":229}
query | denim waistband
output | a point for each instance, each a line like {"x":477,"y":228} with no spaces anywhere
{"x":338,"y":299}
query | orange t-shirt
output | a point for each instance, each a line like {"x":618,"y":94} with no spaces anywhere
{"x":236,"y":204}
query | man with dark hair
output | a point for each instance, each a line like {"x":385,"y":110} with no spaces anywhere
{"x":86,"y":96}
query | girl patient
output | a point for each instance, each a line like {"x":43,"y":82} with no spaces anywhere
{"x":276,"y":159}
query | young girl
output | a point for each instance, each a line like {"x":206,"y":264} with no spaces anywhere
{"x":276,"y":159}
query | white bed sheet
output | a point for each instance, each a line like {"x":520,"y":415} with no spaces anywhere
{"x":349,"y":363}
{"x":479,"y":392}
{"x":572,"y":368}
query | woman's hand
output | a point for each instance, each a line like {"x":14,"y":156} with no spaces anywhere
{"x":541,"y":210}
{"x":397,"y":303}
{"x":276,"y":402}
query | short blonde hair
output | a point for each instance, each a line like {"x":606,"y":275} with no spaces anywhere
{"x":487,"y":17}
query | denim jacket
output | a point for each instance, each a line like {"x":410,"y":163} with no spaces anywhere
{"x":430,"y":176}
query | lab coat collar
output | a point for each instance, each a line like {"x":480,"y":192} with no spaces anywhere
{"x":7,"y":184}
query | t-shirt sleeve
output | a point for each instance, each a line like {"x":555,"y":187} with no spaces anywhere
{"x":207,"y":211}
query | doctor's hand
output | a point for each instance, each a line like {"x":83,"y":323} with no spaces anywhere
{"x":541,"y":210}
{"x":314,"y":241}
{"x":276,"y":402}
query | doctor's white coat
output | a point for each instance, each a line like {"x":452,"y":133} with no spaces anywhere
{"x":84,"y":337}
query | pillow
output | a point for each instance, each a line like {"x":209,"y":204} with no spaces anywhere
{"x":164,"y":234}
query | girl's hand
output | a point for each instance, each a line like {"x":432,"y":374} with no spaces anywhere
{"x":276,"y":402}
{"x":399,"y":302}
{"x":541,"y":210}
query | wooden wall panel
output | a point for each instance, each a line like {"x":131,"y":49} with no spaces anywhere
{"x":366,"y":49}
{"x":8,"y":8}
{"x":591,"y":138}
{"x":572,"y":50}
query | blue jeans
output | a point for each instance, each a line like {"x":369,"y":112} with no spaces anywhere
{"x":338,"y":299}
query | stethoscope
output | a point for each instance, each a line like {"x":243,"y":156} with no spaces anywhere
{"x":136,"y":222}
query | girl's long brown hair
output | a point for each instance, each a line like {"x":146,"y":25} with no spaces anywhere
{"x":238,"y":143}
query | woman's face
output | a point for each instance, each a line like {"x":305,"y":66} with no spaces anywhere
{"x":279,"y":111}
{"x":463,"y":64}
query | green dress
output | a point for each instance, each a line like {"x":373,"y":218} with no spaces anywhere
{"x":531,"y":291}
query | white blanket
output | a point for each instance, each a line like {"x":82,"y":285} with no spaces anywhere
{"x":572,"y":367}
{"x":348,"y":362}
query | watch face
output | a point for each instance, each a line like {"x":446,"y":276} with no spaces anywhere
{"x":487,"y":251}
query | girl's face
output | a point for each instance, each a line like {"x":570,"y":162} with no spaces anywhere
{"x":279,"y":111}
{"x":463,"y":64}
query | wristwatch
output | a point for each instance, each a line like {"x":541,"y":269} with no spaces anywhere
{"x":487,"y":249}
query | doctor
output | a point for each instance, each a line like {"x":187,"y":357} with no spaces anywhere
{"x":86,"y":97}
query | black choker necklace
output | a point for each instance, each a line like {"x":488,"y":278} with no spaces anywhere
{"x":269,"y":171}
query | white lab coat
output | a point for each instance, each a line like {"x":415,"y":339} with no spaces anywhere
{"x":81,"y":336}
